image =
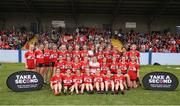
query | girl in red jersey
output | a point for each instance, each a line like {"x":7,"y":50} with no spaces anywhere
{"x":69,"y":52}
{"x":84,"y":52}
{"x":125,"y":53}
{"x":78,"y":82}
{"x":123,"y":66}
{"x":98,"y":82}
{"x":100,"y":55}
{"x":87,"y":79}
{"x":84,"y":64}
{"x":109,"y":83}
{"x":116,"y":53}
{"x":56,"y":82}
{"x":134,"y":52}
{"x":76,"y":65}
{"x":76,"y":52}
{"x":118,"y":81}
{"x":60,"y":65}
{"x":63,"y":52}
{"x":67,"y":82}
{"x":40,"y":59}
{"x":30,"y":59}
{"x":133,"y":71}
{"x":68,"y":63}
{"x":107,"y":54}
{"x":114,"y":66}
{"x":53,"y":58}
{"x":104,"y":66}
{"x":47,"y":54}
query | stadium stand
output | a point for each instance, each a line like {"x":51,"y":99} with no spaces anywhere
{"x":164,"y":43}
{"x":13,"y":40}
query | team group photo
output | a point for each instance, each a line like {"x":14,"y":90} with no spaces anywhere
{"x":90,"y":52}
{"x":85,"y":64}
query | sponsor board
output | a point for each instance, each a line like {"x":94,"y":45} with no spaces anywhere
{"x":25,"y":81}
{"x":164,"y":81}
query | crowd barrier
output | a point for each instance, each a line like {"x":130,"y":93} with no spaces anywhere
{"x":17,"y":56}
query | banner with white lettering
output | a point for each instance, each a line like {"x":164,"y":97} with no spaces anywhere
{"x":57,"y":23}
{"x":160,"y":81}
{"x":130,"y":25}
{"x":25,"y":81}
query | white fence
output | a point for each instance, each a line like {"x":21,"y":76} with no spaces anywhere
{"x":15,"y":56}
{"x":9,"y":56}
{"x":166,"y":58}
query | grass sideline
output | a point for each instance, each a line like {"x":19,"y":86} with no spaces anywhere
{"x":137,"y":96}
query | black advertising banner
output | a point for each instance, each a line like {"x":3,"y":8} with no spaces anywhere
{"x":25,"y":81}
{"x":164,"y":81}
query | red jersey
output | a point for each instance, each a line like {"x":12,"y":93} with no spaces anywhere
{"x":83,"y":53}
{"x":117,"y":78}
{"x":76,"y":66}
{"x":69,"y":53}
{"x":107,"y":78}
{"x":76,"y":54}
{"x":107,"y":54}
{"x":60,"y":65}
{"x":39,"y":56}
{"x":67,"y":80}
{"x":84,"y":66}
{"x":63,"y":54}
{"x":104,"y":68}
{"x":47,"y":54}
{"x":77,"y":79}
{"x":134,"y":53}
{"x":98,"y":78}
{"x":56,"y":78}
{"x":53,"y":56}
{"x":114,"y":67}
{"x":123,"y":67}
{"x":125,"y":54}
{"x":30,"y":59}
{"x":116,"y":55}
{"x":68,"y":65}
{"x":173,"y":49}
{"x":87,"y":78}
{"x":100,"y":57}
{"x":133,"y":66}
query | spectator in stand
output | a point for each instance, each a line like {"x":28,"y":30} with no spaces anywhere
{"x":13,"y":40}
{"x":165,"y":43}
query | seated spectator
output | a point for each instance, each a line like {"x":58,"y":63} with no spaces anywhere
{"x":13,"y":40}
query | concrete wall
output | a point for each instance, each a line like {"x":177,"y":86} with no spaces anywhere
{"x":165,"y":22}
{"x":141,"y":23}
{"x":96,"y":20}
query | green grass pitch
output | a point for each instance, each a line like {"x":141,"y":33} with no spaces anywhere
{"x":137,"y":96}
